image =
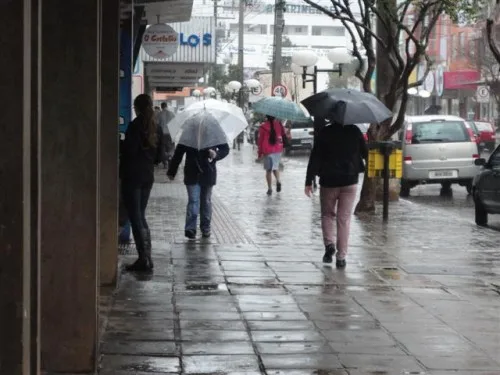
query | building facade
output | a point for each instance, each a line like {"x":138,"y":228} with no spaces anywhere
{"x":304,"y":28}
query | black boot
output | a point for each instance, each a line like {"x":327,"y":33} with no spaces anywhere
{"x":140,"y":265}
{"x":144,"y":263}
{"x":148,"y":248}
{"x":329,"y":251}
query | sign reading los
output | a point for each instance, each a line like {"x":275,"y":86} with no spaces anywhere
{"x":194,"y":40}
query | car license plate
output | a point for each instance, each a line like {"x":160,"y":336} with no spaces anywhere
{"x":443,"y":174}
{"x":307,"y":141}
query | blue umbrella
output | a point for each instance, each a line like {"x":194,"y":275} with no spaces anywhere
{"x":280,"y":108}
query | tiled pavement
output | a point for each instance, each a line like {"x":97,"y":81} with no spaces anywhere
{"x":420,"y":295}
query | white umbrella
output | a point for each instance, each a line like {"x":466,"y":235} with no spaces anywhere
{"x":202,"y":131}
{"x":230,"y":117}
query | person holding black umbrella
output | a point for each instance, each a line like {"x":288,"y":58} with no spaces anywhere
{"x":319,"y":124}
{"x":337,"y":158}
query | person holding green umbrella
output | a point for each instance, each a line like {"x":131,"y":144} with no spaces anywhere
{"x":270,"y":142}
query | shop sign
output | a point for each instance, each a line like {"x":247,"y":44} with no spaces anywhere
{"x":194,"y":40}
{"x":440,"y":80}
{"x":465,"y":79}
{"x":429,"y":82}
{"x":160,"y":41}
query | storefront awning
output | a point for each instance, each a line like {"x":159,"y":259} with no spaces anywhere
{"x":167,"y":10}
{"x":461,"y":80}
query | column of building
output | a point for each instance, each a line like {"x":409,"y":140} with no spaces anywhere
{"x":58,"y":180}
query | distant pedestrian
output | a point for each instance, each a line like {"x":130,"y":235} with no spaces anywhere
{"x":200,"y":176}
{"x":270,"y":141}
{"x":337,"y":158}
{"x":240,"y":139}
{"x":140,"y":151}
{"x":163,"y":118}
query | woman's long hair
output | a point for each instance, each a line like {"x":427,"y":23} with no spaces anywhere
{"x":143,"y":104}
{"x":272,"y":135}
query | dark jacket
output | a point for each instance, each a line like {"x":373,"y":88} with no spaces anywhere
{"x":198,"y":168}
{"x":337,"y":156}
{"x":137,"y":157}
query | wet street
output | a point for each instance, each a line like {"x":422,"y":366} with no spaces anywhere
{"x":420,"y":295}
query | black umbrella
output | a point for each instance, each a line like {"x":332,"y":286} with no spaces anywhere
{"x":347,"y":106}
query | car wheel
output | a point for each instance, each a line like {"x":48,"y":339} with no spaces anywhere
{"x":446,"y":185}
{"x":405,"y":189}
{"x":288,"y":151}
{"x":481,"y":215}
{"x":469,"y":188}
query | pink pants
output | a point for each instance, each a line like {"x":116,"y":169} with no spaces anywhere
{"x":341,"y":211}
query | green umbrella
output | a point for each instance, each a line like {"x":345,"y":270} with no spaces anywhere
{"x":280,"y":108}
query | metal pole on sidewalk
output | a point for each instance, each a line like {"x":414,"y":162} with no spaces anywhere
{"x":241,"y":31}
{"x":278,"y":41}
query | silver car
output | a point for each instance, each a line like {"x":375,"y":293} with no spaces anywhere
{"x":438,"y":150}
{"x":300,"y":135}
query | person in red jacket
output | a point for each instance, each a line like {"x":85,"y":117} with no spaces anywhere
{"x":270,"y":142}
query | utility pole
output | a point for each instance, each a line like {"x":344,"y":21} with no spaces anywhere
{"x":279,"y":22}
{"x":241,"y":31}
{"x":216,"y":10}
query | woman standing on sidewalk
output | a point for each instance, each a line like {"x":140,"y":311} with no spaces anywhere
{"x":270,"y":142}
{"x":337,"y":158}
{"x":141,"y":150}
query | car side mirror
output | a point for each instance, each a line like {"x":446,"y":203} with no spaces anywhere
{"x":481,"y":162}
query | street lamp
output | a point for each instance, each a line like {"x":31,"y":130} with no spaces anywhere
{"x":196,"y":93}
{"x":210,"y":91}
{"x":249,"y":86}
{"x":306,"y":61}
{"x":413,"y":91}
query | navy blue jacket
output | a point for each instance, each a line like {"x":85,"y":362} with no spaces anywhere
{"x":198,"y":168}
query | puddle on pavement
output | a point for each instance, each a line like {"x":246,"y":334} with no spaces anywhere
{"x":389,"y":273}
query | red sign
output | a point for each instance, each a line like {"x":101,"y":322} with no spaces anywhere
{"x":464,"y":79}
{"x":280,"y":90}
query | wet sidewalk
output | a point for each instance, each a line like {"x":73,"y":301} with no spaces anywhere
{"x":420,"y":295}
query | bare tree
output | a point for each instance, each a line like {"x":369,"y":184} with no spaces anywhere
{"x":403,"y":29}
{"x":482,"y":59}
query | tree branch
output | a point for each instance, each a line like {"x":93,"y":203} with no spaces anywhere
{"x":491,"y":42}
{"x":338,"y":16}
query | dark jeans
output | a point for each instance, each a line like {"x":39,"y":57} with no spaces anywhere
{"x":135,"y":199}
{"x":199,"y":202}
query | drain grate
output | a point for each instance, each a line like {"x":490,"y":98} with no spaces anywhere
{"x":214,"y":286}
{"x":126,"y":249}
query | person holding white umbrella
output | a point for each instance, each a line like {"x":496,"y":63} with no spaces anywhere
{"x":204,"y":133}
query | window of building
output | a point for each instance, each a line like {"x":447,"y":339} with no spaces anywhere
{"x":256,"y":29}
{"x":473,"y":48}
{"x":454,"y":47}
{"x":249,"y":29}
{"x":295,"y":30}
{"x":411,"y":20}
{"x":461,"y":44}
{"x":328,"y":30}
